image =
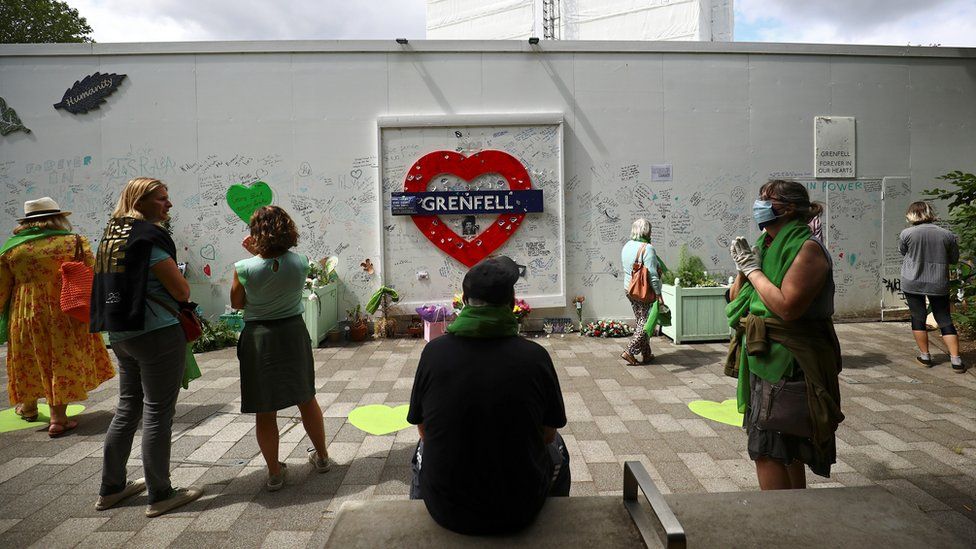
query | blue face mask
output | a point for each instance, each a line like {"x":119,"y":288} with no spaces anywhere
{"x":763,"y":213}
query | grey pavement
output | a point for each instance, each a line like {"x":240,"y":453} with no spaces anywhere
{"x":909,"y":430}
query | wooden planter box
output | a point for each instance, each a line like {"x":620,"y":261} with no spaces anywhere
{"x":321,"y":314}
{"x":697,"y":314}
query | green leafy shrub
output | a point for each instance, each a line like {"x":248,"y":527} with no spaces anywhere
{"x":691,"y":272}
{"x":962,"y":220}
{"x":216,"y":335}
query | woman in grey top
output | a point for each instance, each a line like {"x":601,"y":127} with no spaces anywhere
{"x":929,"y":250}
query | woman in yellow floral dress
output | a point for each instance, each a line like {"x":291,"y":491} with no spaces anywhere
{"x":50,"y":354}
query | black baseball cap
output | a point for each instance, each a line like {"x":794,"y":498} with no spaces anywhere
{"x":492,"y":280}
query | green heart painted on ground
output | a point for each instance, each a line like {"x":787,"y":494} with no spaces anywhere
{"x":726,"y":412}
{"x":245,"y":200}
{"x":10,"y":421}
{"x":380,"y":419}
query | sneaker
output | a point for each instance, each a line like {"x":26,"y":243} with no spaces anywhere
{"x":959,"y":368}
{"x":179,"y":498}
{"x":320,"y":465}
{"x":132,"y":488}
{"x":924,"y":361}
{"x":277,"y":482}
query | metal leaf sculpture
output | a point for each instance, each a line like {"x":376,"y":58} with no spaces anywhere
{"x":89,"y":93}
{"x":9,"y":121}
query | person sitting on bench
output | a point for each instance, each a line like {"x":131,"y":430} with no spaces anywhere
{"x":487,"y":404}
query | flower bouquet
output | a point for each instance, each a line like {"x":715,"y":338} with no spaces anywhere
{"x":607,"y":328}
{"x":458,"y":303}
{"x":435,"y":319}
{"x":521,"y":310}
{"x":578,"y":303}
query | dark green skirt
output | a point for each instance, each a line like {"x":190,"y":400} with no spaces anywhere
{"x":277,"y":370}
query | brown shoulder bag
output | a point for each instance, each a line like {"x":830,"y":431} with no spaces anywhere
{"x":640,"y":288}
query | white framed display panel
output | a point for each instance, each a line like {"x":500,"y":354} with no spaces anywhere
{"x":420,"y":271}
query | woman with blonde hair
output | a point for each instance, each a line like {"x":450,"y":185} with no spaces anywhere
{"x":137,"y":288}
{"x":277,"y":370}
{"x":51,"y":355}
{"x":928,"y":251}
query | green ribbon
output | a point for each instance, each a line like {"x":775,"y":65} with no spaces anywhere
{"x":33,"y":233}
{"x":374,"y":302}
{"x":485,"y":322}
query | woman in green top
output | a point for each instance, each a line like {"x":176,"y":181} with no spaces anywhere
{"x":277,"y":370}
{"x":782,"y":302}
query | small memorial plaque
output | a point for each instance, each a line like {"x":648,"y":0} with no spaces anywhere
{"x":834,"y":147}
{"x":89,"y":93}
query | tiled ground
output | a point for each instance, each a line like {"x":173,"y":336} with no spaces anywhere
{"x":908,"y":429}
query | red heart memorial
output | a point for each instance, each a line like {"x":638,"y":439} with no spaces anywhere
{"x":467,"y":168}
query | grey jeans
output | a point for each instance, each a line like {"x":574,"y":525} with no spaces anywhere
{"x":150,"y":374}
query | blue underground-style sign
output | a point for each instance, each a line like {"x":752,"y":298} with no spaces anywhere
{"x":467,"y":202}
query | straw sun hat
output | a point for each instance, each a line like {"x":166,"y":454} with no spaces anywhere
{"x":42,"y":207}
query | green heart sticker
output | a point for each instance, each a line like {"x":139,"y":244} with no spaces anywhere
{"x":727,"y":412}
{"x":10,"y":421}
{"x":380,"y":419}
{"x":246,"y":200}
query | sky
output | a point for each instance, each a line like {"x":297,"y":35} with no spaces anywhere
{"x":891,"y":22}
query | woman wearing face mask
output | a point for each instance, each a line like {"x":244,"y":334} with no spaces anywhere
{"x":782,"y":303}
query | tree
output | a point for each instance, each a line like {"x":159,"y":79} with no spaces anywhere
{"x":41,"y":21}
{"x":962,"y":219}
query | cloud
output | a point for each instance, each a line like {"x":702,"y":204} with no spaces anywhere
{"x":894,"y":22}
{"x":190,"y":20}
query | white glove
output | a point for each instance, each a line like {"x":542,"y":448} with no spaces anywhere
{"x":746,"y":259}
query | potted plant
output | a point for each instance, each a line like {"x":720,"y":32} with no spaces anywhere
{"x":381,"y":299}
{"x":357,"y":324}
{"x":322,"y":299}
{"x":696,"y":300}
{"x":334,"y":335}
{"x":415,"y":329}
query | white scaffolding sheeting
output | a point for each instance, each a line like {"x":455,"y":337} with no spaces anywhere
{"x":481,"y":20}
{"x":699,"y":20}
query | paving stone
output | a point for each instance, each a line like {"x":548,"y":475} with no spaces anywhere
{"x":6,"y":524}
{"x":908,"y":429}
{"x":69,"y":532}
{"x":104,"y":540}
{"x":596,"y":451}
{"x":279,"y":538}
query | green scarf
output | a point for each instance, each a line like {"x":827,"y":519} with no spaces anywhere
{"x":22,"y":237}
{"x":484,"y":322}
{"x":27,"y":235}
{"x":776,"y":260}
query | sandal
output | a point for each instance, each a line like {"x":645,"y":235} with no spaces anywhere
{"x":629,"y":358}
{"x":29,"y":416}
{"x":56,"y":430}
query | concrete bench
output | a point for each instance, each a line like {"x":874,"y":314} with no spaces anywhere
{"x":815,"y":518}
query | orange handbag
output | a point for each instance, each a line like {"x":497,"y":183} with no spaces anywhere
{"x":76,"y":285}
{"x":640,"y":280}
